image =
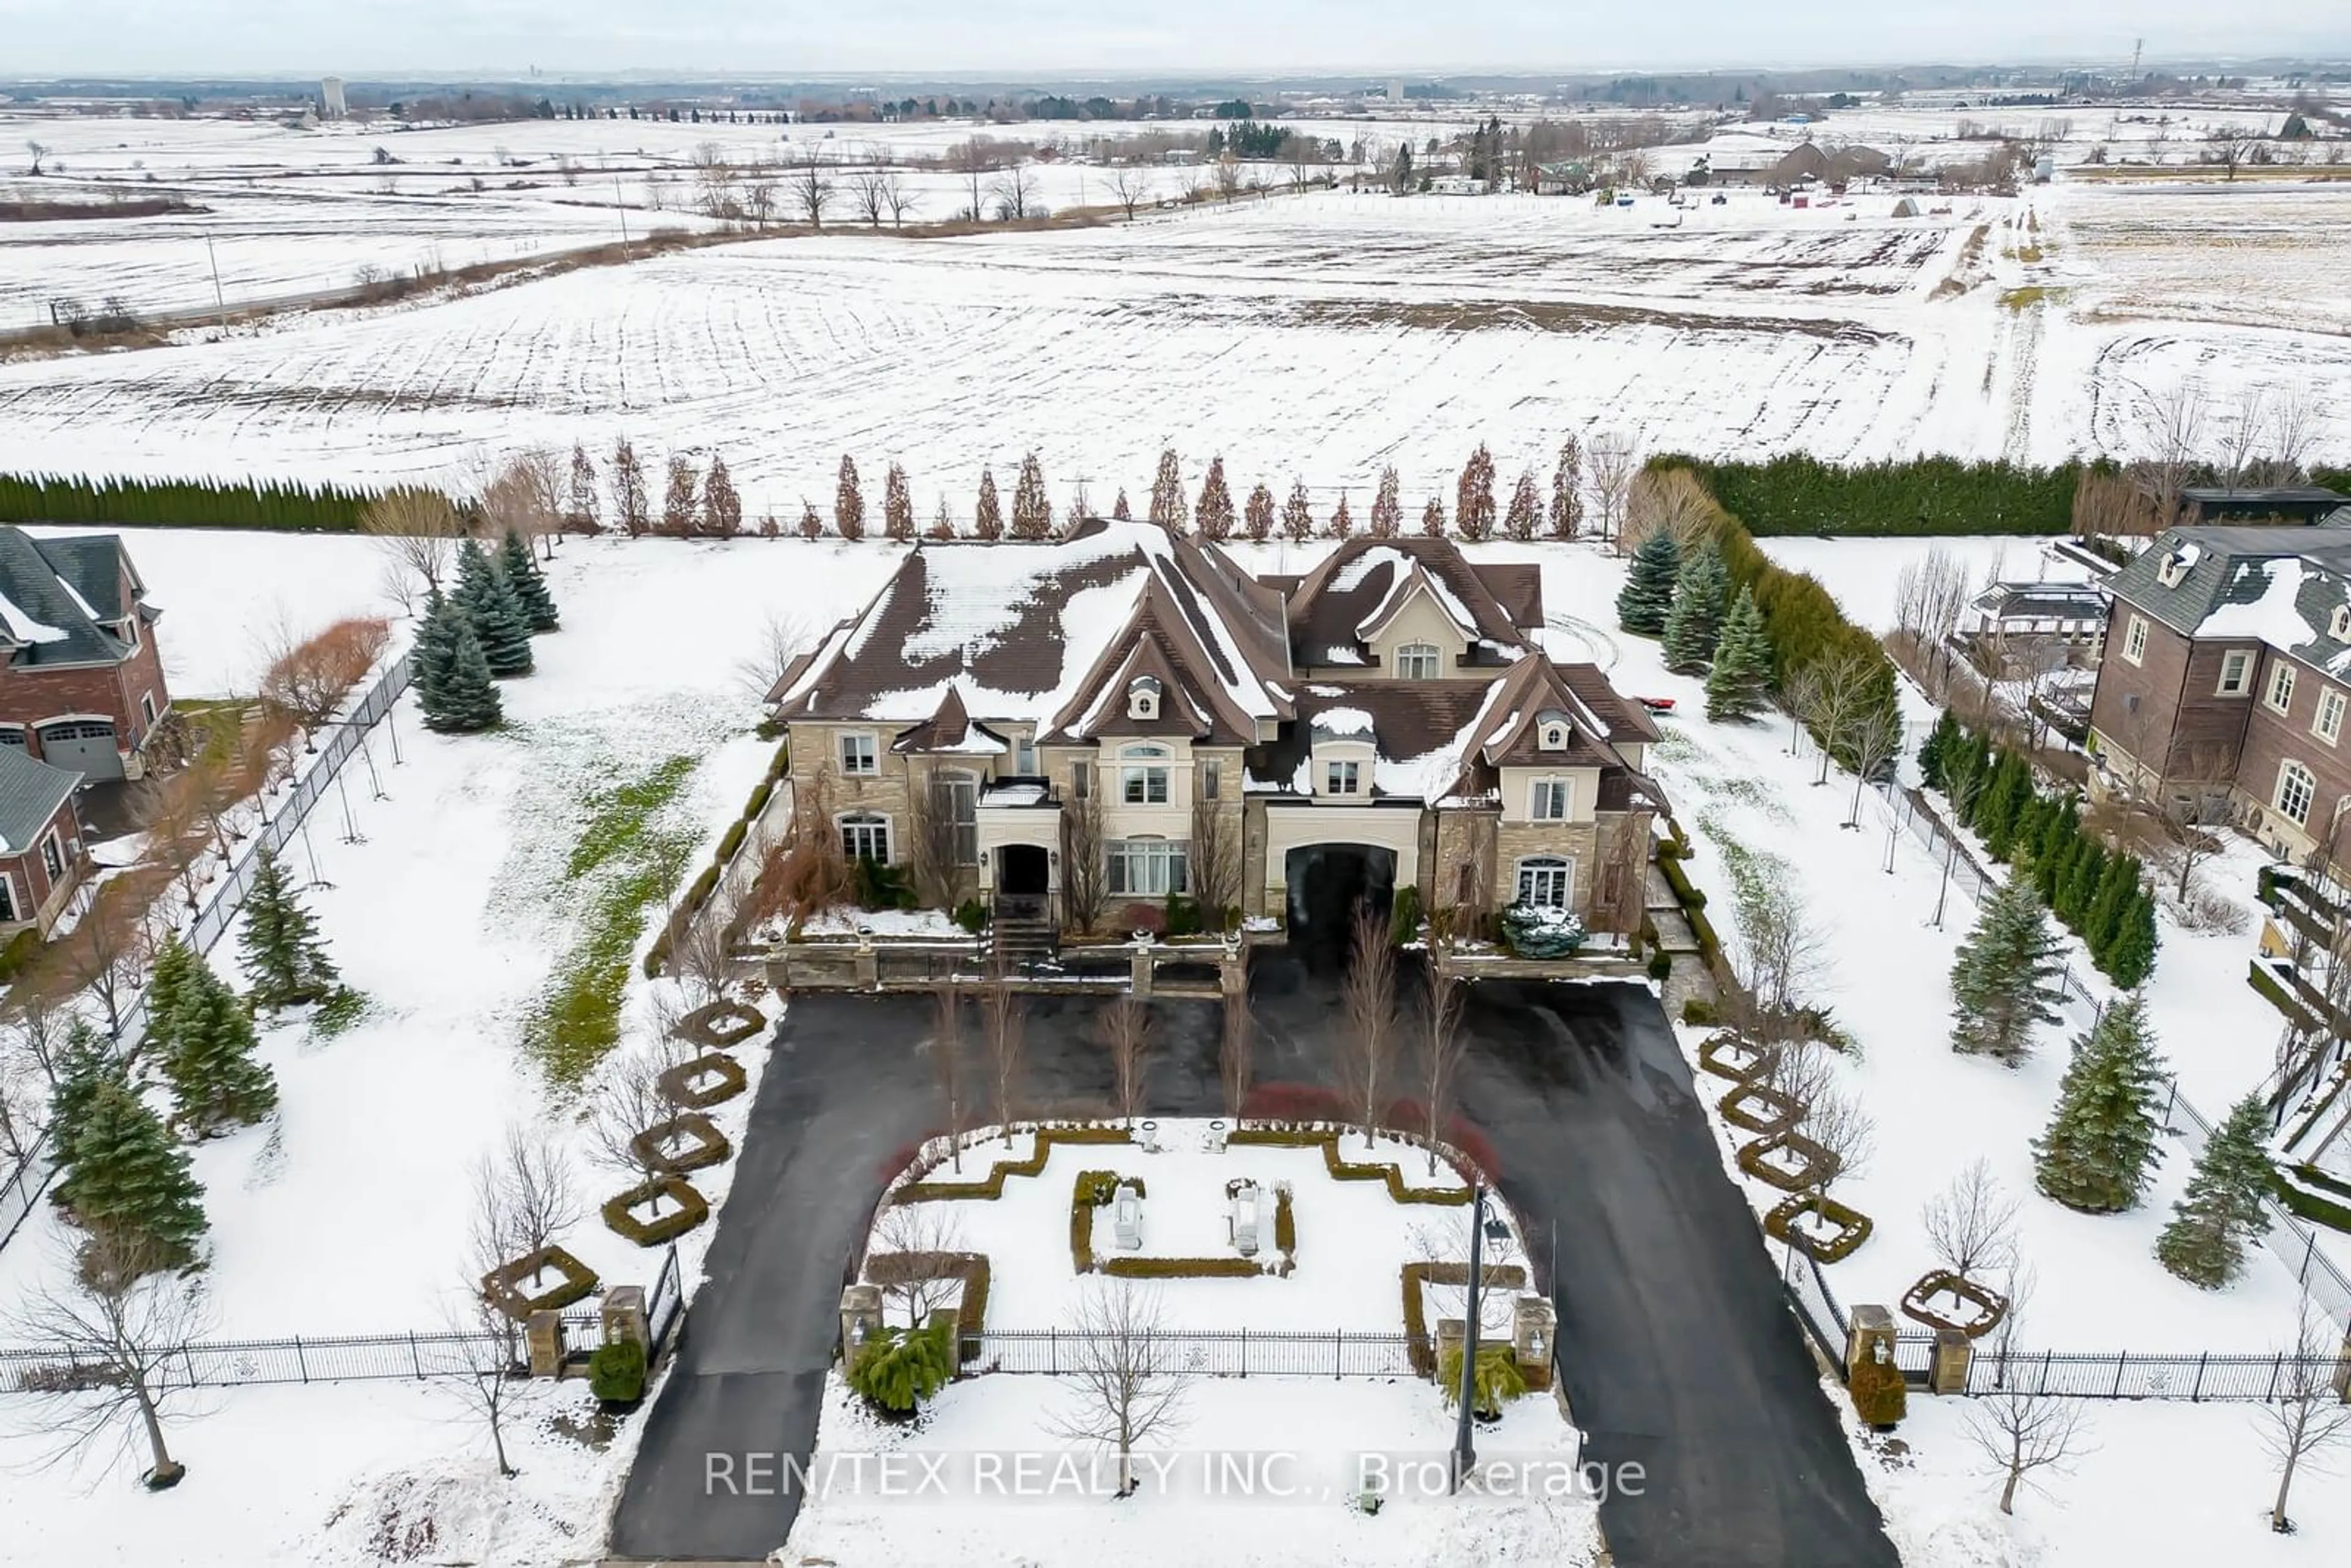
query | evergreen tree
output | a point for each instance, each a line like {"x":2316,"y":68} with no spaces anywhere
{"x":522,"y":575}
{"x":128,"y":1182}
{"x":1297,"y":516}
{"x":1432,"y":520}
{"x":2110,"y":906}
{"x":84,"y":1065}
{"x":2086,"y":872}
{"x":2130,"y":957}
{"x":1257,"y":516}
{"x":1567,"y":491}
{"x":2003,"y":980}
{"x":216,"y":1082}
{"x":2003,"y":799}
{"x":1119,"y":509}
{"x":2100,"y":1149}
{"x":583,"y":512}
{"x":1167,"y":506}
{"x":497,"y":615}
{"x":466,"y":697}
{"x":1473,"y":495}
{"x":1647,"y":596}
{"x":281,"y":953}
{"x":1032,"y":508}
{"x":1387,"y":507}
{"x":165,"y":983}
{"x":1739,"y":684}
{"x":2205,"y":1242}
{"x":1215,"y":512}
{"x":1694,"y":625}
{"x":435,"y":649}
{"x":1526,"y":508}
{"x":1938,"y":742}
{"x":898,"y":504}
{"x":849,"y":501}
{"x":722,"y":504}
{"x":987,"y":518}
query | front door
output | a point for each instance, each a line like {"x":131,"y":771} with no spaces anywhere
{"x":1021,"y":871}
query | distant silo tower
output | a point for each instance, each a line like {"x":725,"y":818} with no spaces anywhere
{"x":331,"y":99}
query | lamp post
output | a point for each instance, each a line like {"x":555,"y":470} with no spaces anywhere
{"x":1465,"y":1455}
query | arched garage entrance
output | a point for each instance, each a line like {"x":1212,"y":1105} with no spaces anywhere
{"x":1328,"y":882}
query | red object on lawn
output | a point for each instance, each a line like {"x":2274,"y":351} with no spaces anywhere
{"x":1656,"y":704}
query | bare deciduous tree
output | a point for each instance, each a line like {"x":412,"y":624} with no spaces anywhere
{"x":1212,"y":863}
{"x":1442,"y":1046}
{"x":1130,"y":187}
{"x":927,"y":1230}
{"x":417,"y":530}
{"x":930,"y":838}
{"x":491,"y":1371}
{"x":2306,"y":1417}
{"x":1673,"y":501}
{"x":783,"y":637}
{"x":628,"y":1099}
{"x":1004,"y":1016}
{"x":106,"y":952}
{"x":1832,"y":696}
{"x":1237,"y":1053}
{"x":870,"y":191}
{"x":1871,"y":740}
{"x":1971,"y":1224}
{"x":1085,"y":887}
{"x":811,"y":188}
{"x":524,"y":1197}
{"x":1014,"y":192}
{"x":1780,"y":959}
{"x":1126,"y":1030}
{"x":2019,"y":1430}
{"x":2294,"y":429}
{"x":120,"y":1320}
{"x":1367,"y":1041}
{"x":1129,"y":1378}
{"x":2242,"y":439}
{"x":1928,"y":596}
{"x":309,"y":678}
{"x":1611,"y":462}
{"x":945,"y":1047}
{"x":2171,"y":430}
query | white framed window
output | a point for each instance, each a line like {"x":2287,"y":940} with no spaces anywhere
{"x":2281,"y":693}
{"x":2134,"y":638}
{"x":2295,"y":790}
{"x":1024,"y":755}
{"x":1546,"y":882}
{"x":2328,"y":724}
{"x":53,"y":856}
{"x":1417,"y":661}
{"x":859,"y":755}
{"x":1549,"y":801}
{"x":12,"y":735}
{"x":1082,"y":779}
{"x":865,"y":837}
{"x":8,"y":914}
{"x":2338,"y":625}
{"x":1553,"y":737}
{"x":147,"y":707}
{"x":1212,"y":781}
{"x":1143,"y":775}
{"x":1143,"y":698}
{"x":2236,"y":671}
{"x":1342,"y":778}
{"x":1146,"y":867}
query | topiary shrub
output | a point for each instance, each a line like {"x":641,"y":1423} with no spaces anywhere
{"x":515,"y":1289}
{"x":616,"y":1371}
{"x":707,"y":1080}
{"x":658,"y":1146}
{"x":1496,"y":1382}
{"x":1879,"y":1393}
{"x":1183,"y":916}
{"x":1285,"y":1224}
{"x":721,"y":1023}
{"x":1404,"y":915}
{"x":1697,"y":1010}
{"x":973,"y":916}
{"x":897,"y":1369}
{"x":1661,"y":965}
{"x":691,"y":1208}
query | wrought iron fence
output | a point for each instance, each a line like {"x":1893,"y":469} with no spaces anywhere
{"x":1218,"y":1353}
{"x":2121,"y":1374}
{"x":24,"y":1185}
{"x":1815,"y":1304}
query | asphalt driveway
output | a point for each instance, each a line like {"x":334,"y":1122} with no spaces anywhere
{"x":1675,"y":1350}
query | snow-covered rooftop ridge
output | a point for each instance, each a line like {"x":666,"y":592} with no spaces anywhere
{"x":23,"y":628}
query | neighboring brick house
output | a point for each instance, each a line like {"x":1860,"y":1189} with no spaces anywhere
{"x":2227,"y":678}
{"x":81,"y":685}
{"x":1323,"y":739}
{"x":41,"y":856}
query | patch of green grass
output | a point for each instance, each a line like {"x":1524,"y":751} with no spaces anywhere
{"x":630,"y":862}
{"x":2034,"y":293}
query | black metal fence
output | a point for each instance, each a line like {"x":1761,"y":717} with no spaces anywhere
{"x":2120,"y":1375}
{"x":1218,"y":1352}
{"x":23,"y":1185}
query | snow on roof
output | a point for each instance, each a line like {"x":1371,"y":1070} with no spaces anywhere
{"x":975,"y":597}
{"x":1430,"y":774}
{"x":1338,"y":723}
{"x":1408,"y":581}
{"x":23,"y":628}
{"x":2273,"y":617}
{"x":1350,"y":576}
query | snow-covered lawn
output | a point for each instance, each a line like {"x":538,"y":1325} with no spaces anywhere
{"x":1308,"y":1443}
{"x":1866,"y":573}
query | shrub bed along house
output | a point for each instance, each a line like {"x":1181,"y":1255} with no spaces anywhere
{"x":708,"y":1145}
{"x":1852,"y":1226}
{"x":575,"y":1281}
{"x":708,"y":1080}
{"x":692,"y":1208}
{"x":1418,"y":1344}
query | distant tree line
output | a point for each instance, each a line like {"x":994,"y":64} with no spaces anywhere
{"x":1799,"y":494}
{"x":276,"y":503}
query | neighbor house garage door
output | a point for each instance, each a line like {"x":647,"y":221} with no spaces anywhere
{"x":85,"y":747}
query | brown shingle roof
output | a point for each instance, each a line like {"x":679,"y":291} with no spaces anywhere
{"x":1332,"y":603}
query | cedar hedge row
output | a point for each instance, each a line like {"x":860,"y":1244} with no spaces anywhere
{"x":1184,"y":1268}
{"x":2314,"y":1195}
{"x":1912,"y":498}
{"x":274,"y":505}
{"x":1092,"y":1190}
{"x":1342,"y":1169}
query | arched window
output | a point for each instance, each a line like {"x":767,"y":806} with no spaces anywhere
{"x":1143,"y":775}
{"x":865,"y":837}
{"x":1143,"y":698}
{"x":1546,"y":882}
{"x":2295,"y":790}
{"x":1416,"y":662}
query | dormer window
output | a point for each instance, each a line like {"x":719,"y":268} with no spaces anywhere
{"x":2338,"y":625}
{"x":1416,"y":662}
{"x":2174,"y":569}
{"x":1143,"y":698}
{"x":1551,"y":732}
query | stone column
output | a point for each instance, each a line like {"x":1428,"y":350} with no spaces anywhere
{"x":1534,"y":1331}
{"x":1954,"y":1352}
{"x":952,"y":1321}
{"x":2343,"y":1370}
{"x":1140,"y":969}
{"x":860,"y":1318}
{"x":1451,"y":1333}
{"x":1873,"y":1328}
{"x":543,"y":1337}
{"x":624,"y":1316}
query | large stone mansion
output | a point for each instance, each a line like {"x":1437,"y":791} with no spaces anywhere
{"x":1124,"y":716}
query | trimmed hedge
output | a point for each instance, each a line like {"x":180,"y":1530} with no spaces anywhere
{"x":730,"y":841}
{"x":1910,"y":497}
{"x":1285,"y":1224}
{"x":1418,"y":1344}
{"x":1852,"y":1226}
{"x":692,"y":1211}
{"x":1092,"y":1190}
{"x":992,"y":1186}
{"x":502,"y":1284}
{"x":676,"y":1082}
{"x":972,"y":1267}
{"x":721,"y":1023}
{"x":710,"y":1145}
{"x":1820,"y":1164}
{"x":1184,"y":1268}
{"x":2314,"y":1195}
{"x":2257,"y":975}
{"x":1342,"y":1169}
{"x":276,"y":506}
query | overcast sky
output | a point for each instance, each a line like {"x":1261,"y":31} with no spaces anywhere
{"x":363,"y":38}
